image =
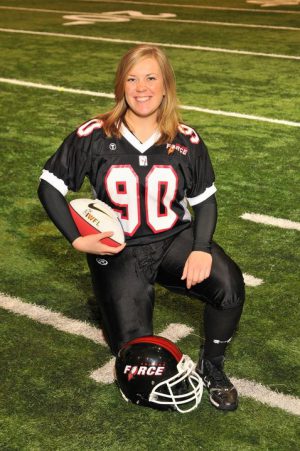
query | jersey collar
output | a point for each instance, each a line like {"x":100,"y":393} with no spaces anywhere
{"x":141,"y":147}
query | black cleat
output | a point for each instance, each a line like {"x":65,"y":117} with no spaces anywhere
{"x":222,"y":393}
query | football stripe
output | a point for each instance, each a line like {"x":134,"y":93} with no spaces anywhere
{"x":272,"y":221}
{"x":160,"y":44}
{"x":252,"y":281}
{"x":254,"y":390}
{"x":86,"y":228}
{"x":246,"y":388}
{"x":30,"y":84}
{"x":160,"y":341}
{"x":194,"y":6}
{"x":54,"y":319}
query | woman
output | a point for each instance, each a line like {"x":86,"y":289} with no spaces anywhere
{"x":142,"y":161}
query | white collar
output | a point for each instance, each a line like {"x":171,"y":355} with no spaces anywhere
{"x":141,"y":147}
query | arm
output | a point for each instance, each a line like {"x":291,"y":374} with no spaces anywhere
{"x":58,"y":211}
{"x":198,"y":265}
{"x":205,"y":221}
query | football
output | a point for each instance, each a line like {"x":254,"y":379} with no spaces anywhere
{"x":94,"y":216}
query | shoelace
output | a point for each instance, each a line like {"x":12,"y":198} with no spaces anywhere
{"x":218,"y":376}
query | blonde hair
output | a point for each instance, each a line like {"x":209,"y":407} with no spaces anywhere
{"x":168,"y":117}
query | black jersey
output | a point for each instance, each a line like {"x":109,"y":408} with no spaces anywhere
{"x":148,"y":185}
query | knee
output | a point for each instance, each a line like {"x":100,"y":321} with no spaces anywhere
{"x":231,"y":288}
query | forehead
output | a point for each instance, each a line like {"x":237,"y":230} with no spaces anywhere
{"x":145,"y":66}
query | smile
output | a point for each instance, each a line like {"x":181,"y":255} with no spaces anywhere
{"x":142,"y":99}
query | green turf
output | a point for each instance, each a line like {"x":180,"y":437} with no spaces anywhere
{"x":47,"y":400}
{"x":220,"y":81}
{"x":53,"y":404}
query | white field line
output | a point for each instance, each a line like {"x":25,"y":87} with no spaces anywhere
{"x":54,"y":319}
{"x":252,"y":281}
{"x":272,"y":221}
{"x":241,"y":116}
{"x":265,"y":395}
{"x":160,"y":44}
{"x":177,"y":5}
{"x":28,"y":84}
{"x":96,"y":17}
{"x":58,"y":321}
{"x":43,"y":10}
{"x":174,"y":332}
{"x":246,"y":388}
{"x":222,"y":24}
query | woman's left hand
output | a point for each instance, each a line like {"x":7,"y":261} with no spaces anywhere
{"x":196,"y":268}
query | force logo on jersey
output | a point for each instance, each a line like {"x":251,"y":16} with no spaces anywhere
{"x":181,"y":149}
{"x":143,"y":370}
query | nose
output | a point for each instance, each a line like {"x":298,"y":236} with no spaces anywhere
{"x":141,"y":85}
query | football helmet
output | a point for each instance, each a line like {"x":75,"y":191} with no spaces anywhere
{"x":152,"y":371}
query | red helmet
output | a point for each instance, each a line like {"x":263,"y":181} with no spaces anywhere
{"x":152,"y":371}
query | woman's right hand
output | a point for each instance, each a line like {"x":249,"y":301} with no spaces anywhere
{"x":91,"y":244}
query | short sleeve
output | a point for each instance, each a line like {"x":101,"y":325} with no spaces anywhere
{"x":202,"y":175}
{"x":67,"y":168}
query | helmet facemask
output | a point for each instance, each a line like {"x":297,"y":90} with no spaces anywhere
{"x":182,"y":389}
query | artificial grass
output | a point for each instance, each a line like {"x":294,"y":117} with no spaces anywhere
{"x":53,"y":404}
{"x":48,"y":400}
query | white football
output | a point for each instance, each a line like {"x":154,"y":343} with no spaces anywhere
{"x":94,"y":216}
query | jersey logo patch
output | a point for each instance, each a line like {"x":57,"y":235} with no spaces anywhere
{"x":181,"y":149}
{"x":143,"y":160}
{"x":101,"y":261}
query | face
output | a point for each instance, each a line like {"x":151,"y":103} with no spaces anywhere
{"x":144,"y":89}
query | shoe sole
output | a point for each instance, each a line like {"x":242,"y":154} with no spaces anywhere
{"x":225,"y":408}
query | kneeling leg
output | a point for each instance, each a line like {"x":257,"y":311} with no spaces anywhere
{"x":125,"y":297}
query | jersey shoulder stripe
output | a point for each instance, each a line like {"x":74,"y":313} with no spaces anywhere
{"x":88,"y":127}
{"x":189,"y":132}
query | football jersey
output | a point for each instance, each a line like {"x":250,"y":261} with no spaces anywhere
{"x":149,"y":186}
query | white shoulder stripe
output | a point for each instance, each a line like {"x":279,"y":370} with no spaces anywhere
{"x":203,"y":196}
{"x":59,"y":184}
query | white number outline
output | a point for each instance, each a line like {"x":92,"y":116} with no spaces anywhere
{"x":130,"y":224}
{"x":129,"y":229}
{"x":162,"y":200}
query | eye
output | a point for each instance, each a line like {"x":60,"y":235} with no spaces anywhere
{"x":131,"y":79}
{"x":151,"y":78}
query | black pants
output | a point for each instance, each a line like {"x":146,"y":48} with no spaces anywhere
{"x":124,"y":284}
